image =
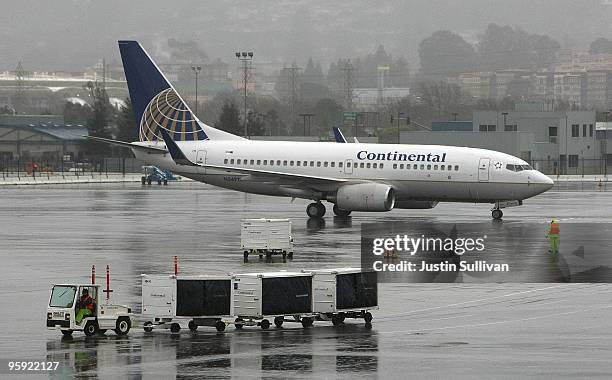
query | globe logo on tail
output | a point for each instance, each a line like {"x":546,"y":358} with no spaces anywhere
{"x":168,"y":111}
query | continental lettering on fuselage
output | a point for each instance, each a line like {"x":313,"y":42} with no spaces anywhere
{"x":396,"y":156}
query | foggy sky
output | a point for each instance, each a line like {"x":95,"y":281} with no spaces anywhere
{"x":75,"y":34}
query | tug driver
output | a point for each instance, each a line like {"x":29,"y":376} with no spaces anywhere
{"x":85,"y":306}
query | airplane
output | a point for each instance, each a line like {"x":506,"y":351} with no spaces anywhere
{"x":353,"y":177}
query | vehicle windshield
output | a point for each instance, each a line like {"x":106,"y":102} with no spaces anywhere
{"x":62,"y":296}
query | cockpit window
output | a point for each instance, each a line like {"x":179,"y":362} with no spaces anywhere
{"x":510,"y":167}
{"x":518,"y":168}
{"x":527,"y":167}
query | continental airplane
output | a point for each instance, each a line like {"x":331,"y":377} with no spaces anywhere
{"x":353,"y":177}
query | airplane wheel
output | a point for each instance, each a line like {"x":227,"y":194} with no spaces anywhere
{"x":340,"y":212}
{"x":315,"y":210}
{"x":497,"y":214}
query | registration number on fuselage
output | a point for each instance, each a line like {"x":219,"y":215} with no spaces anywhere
{"x":231,"y":178}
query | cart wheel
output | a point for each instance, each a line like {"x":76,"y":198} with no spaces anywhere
{"x":220,"y":326}
{"x":67,"y":332}
{"x":246,"y":256}
{"x":265,"y":324}
{"x":368,"y":317}
{"x":148,"y":327}
{"x":165,"y":182}
{"x":238,"y":323}
{"x":159,"y":182}
{"x":143,"y":180}
{"x":290,"y":255}
{"x":123,"y":325}
{"x":336,"y":320}
{"x":278,"y":321}
{"x":102,"y":332}
{"x":284,"y":257}
{"x":307,"y":322}
{"x":175,"y":328}
{"x":149,"y":181}
{"x":91,"y":328}
{"x":342,"y":316}
{"x":192,"y":326}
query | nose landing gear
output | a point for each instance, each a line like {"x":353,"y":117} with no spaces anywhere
{"x":497,"y":214}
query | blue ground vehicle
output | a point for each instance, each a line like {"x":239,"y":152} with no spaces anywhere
{"x":154,"y":174}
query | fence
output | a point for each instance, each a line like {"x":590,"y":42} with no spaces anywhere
{"x":48,"y":168}
{"x":580,"y":166}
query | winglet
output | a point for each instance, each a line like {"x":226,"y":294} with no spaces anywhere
{"x":339,"y":136}
{"x":175,"y":152}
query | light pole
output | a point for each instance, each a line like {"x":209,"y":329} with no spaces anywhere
{"x":245,"y":58}
{"x":196,"y":70}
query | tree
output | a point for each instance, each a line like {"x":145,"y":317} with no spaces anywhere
{"x":98,"y":124}
{"x":328,"y":113}
{"x":75,"y":113}
{"x":127,"y":127}
{"x":601,"y":46}
{"x":229,"y":120}
{"x":440,"y":96}
{"x":445,"y":52}
{"x":256,"y":124}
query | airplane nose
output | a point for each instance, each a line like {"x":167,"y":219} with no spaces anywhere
{"x":543,"y":182}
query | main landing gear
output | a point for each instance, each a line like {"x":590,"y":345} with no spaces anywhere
{"x":315,"y":210}
{"x":340,"y":212}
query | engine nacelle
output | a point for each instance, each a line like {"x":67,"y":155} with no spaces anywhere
{"x":365,"y":197}
{"x":415,"y":204}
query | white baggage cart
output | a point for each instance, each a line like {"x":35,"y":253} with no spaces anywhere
{"x":344,"y":293}
{"x":266,"y":237}
{"x":261,"y":297}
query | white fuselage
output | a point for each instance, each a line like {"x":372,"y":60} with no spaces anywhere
{"x":416,"y":172}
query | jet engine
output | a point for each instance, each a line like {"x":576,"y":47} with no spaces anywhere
{"x":365,"y":197}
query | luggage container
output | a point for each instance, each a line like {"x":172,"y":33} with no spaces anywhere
{"x":266,"y":237}
{"x":201,"y":300}
{"x":259,"y":297}
{"x":344,"y":293}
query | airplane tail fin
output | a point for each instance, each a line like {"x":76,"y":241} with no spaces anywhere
{"x":156,"y":103}
{"x":339,"y":136}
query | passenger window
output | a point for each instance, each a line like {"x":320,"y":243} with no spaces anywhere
{"x":252,"y":162}
{"x":450,"y":167}
{"x":298,"y":163}
{"x":362,"y":165}
{"x":367,"y":165}
{"x":271,"y":162}
{"x":394,"y":166}
{"x":225,"y":161}
{"x":311,"y":163}
{"x":374,"y":165}
{"x":258,"y":162}
{"x":333,"y":164}
{"x":402,"y":166}
{"x":232,"y":161}
{"x":415,"y":167}
{"x":339,"y":164}
{"x":284,"y":163}
{"x":325,"y":164}
{"x":318,"y":164}
{"x":422,"y":166}
{"x":381,"y":165}
{"x":290,"y":163}
{"x":441,"y":167}
{"x":456,"y":168}
{"x":305,"y":163}
{"x":238,"y":162}
{"x":265,"y":162}
{"x":435,"y":167}
{"x":428,"y":167}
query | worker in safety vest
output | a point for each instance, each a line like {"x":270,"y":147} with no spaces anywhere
{"x":553,"y":236}
{"x":85,"y":306}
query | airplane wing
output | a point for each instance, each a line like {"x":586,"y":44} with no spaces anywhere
{"x":279,"y":178}
{"x":148,"y":149}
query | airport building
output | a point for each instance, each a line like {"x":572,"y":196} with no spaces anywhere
{"x":553,"y":142}
{"x":40,"y":137}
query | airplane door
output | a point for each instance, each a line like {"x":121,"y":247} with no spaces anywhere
{"x":483,"y":170}
{"x":201,"y":160}
{"x":348,"y":167}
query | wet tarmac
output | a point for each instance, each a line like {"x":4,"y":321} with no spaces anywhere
{"x":55,"y":233}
